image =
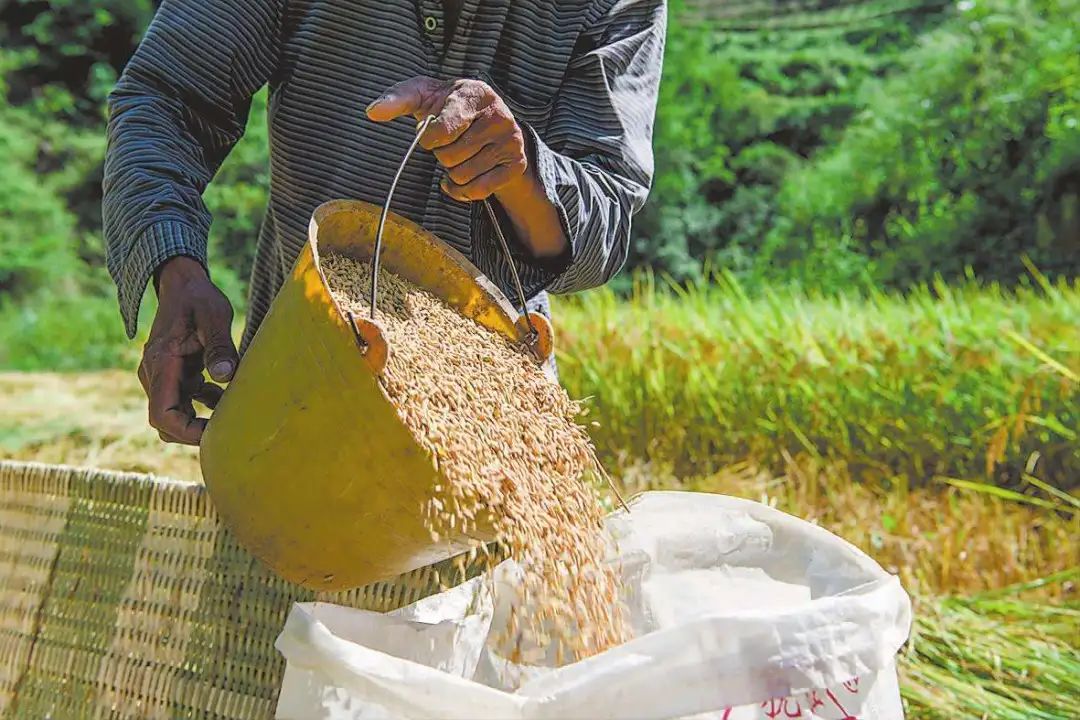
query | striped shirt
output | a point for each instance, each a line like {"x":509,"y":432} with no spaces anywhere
{"x":580,"y":76}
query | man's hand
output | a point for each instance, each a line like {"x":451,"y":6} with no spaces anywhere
{"x":476,"y":138}
{"x":192,"y":330}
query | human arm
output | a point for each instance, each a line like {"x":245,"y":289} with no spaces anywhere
{"x":569,"y":197}
{"x":177,"y":111}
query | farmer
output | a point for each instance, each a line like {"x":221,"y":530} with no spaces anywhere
{"x":544,"y":107}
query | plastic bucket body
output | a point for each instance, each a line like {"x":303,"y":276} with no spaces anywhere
{"x":305,"y":458}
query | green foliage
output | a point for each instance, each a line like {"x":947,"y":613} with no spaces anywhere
{"x":945,"y":382}
{"x":35,"y":225}
{"x":46,"y":163}
{"x":60,"y":58}
{"x":57,"y":307}
{"x":969,"y":158}
{"x":742,"y":105}
{"x":73,"y":50}
{"x":63,"y":58}
{"x":64,"y":331}
{"x":874,"y":142}
{"x":237,"y":198}
{"x":871,"y":143}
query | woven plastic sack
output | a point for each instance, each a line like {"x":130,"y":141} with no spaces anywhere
{"x":739,"y":611}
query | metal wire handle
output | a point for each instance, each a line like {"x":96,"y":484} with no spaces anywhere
{"x":420,"y":128}
{"x":533,"y":334}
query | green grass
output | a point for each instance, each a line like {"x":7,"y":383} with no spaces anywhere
{"x":58,"y":330}
{"x":943,"y":382}
{"x":994,"y":656}
{"x":966,"y":384}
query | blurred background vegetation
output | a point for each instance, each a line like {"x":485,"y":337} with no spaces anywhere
{"x":854,"y":296}
{"x":825,"y":144}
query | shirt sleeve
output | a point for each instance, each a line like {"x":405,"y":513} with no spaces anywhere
{"x":178,"y":109}
{"x":595,"y":159}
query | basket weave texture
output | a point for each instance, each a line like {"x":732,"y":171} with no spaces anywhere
{"x":122,"y":596}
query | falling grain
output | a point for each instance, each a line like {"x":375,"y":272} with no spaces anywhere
{"x":506,"y":438}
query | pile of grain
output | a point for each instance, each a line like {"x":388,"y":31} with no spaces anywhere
{"x":506,"y":438}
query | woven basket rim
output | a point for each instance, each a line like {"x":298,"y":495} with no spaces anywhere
{"x":103,"y":473}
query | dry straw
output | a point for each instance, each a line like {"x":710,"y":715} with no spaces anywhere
{"x":504,"y":436}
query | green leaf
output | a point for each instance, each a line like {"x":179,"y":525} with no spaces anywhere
{"x":1003,"y":493}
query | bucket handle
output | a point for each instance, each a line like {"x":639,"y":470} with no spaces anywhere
{"x":533,"y":336}
{"x":539,"y":341}
{"x":420,"y":128}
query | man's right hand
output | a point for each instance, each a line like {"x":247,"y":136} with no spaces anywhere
{"x":192,"y":330}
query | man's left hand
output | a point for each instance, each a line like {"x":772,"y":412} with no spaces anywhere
{"x":475,"y":136}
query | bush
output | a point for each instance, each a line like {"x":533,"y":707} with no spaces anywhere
{"x":57,"y":307}
{"x":237,"y":200}
{"x":35,"y":225}
{"x":61,"y":59}
{"x":968,"y":159}
{"x":871,"y":143}
{"x":72,"y":51}
{"x":56,"y":310}
{"x":65,"y":331}
{"x":743,"y":103}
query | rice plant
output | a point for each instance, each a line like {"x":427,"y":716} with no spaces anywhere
{"x":955,"y":382}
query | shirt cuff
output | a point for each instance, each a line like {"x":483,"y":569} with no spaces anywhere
{"x":156,"y":244}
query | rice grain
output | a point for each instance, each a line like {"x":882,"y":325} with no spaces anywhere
{"x":505,"y":437}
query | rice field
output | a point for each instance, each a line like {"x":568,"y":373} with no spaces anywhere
{"x":943,"y":382}
{"x":938,"y":432}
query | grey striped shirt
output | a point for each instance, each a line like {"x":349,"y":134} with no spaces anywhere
{"x":580,"y":75}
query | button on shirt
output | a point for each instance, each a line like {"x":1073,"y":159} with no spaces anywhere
{"x":580,"y":76}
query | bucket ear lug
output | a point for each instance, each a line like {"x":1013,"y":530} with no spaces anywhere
{"x":543,"y":344}
{"x":372,"y":342}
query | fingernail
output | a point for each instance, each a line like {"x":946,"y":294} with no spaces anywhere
{"x":375,"y":102}
{"x":221,"y":370}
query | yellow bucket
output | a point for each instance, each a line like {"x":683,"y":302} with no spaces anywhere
{"x":305,"y":458}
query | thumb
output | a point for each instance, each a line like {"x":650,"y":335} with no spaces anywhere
{"x":214,"y":328}
{"x":418,"y":96}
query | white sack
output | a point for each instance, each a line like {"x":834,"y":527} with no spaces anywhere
{"x":739,"y":612}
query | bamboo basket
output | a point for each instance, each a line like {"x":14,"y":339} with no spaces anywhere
{"x":123,"y":596}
